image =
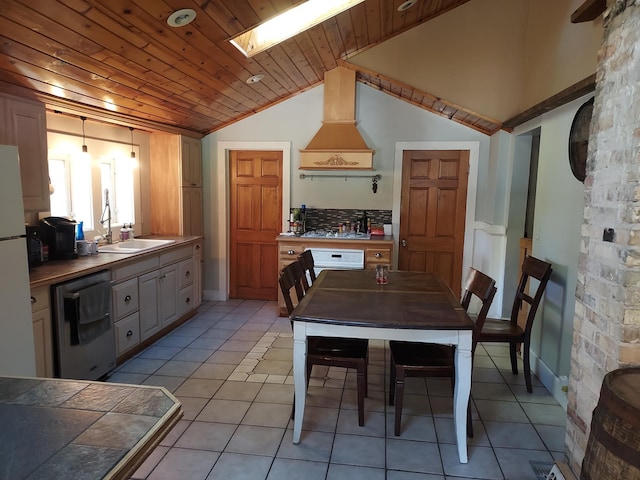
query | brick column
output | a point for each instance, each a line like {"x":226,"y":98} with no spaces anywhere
{"x":607,"y":314}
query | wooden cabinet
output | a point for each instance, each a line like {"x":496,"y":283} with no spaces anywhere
{"x":191,"y":162}
{"x":176,"y":185}
{"x":377,"y":255}
{"x":24,"y":124}
{"x":41,"y":317}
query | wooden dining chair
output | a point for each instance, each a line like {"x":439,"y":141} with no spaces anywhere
{"x":328,"y":351}
{"x":306,"y":262}
{"x":508,"y":331}
{"x":414,"y":359}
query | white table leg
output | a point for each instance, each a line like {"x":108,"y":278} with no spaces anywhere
{"x":461,"y":392}
{"x":299,"y":377}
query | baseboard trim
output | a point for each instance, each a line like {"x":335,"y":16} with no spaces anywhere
{"x":550,"y":380}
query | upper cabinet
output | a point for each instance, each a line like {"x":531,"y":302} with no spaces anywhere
{"x":176,"y":185}
{"x":191,"y":162}
{"x":24,"y":125}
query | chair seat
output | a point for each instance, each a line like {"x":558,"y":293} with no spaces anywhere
{"x":495,"y":330}
{"x":422,"y":356}
{"x":355,"y":348}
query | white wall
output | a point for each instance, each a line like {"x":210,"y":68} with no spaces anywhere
{"x":556,"y":237}
{"x":383,"y":121}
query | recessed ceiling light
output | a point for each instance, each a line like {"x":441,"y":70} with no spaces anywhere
{"x":181,"y":17}
{"x":255,"y":78}
{"x":407,"y":5}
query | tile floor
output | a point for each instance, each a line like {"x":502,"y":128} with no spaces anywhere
{"x":230,"y":366}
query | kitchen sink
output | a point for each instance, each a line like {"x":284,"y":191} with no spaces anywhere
{"x":134,"y":246}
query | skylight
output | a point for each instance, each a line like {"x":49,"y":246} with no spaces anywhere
{"x":288,"y":24}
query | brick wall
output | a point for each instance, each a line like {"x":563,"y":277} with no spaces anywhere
{"x":607,"y":314}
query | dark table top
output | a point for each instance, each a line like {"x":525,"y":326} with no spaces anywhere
{"x":410,"y":300}
{"x":63,"y":429}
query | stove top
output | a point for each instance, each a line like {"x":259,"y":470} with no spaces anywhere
{"x":333,"y":234}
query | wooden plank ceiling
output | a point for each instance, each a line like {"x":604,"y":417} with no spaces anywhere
{"x":121,"y":56}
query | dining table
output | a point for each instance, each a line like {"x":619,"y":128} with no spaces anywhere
{"x":412,"y":306}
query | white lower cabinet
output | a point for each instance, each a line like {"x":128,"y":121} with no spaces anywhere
{"x":127,"y":333}
{"x":148,"y":286}
{"x":168,"y":300}
{"x":41,"y":317}
{"x":197,"y":274}
{"x":152,"y":293}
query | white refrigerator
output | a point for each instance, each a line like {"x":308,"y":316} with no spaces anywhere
{"x":17,"y":352}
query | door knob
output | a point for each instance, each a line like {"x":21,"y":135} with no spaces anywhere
{"x":403,"y":243}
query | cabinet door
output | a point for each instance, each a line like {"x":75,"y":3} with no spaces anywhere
{"x":191,"y":162}
{"x":127,"y":333}
{"x":43,"y":343}
{"x":185,"y":300}
{"x":192,"y":211}
{"x":28,"y":130}
{"x":197,"y":277}
{"x":148,"y":289}
{"x":168,"y":300}
{"x":125,"y":298}
{"x":186,"y":273}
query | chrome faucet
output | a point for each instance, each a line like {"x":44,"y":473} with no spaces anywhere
{"x":107,"y":210}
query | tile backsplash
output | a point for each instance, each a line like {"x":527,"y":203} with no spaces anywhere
{"x":329,"y":218}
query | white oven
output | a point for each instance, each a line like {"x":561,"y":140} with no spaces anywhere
{"x":337,"y":259}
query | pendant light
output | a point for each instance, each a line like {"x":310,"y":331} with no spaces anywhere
{"x":84,"y":143}
{"x":133,"y":154}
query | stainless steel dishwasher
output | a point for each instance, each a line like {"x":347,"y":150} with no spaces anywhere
{"x":83,"y":327}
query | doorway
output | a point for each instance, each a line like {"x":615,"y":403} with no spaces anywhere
{"x":473,"y":149}
{"x":432,"y":212}
{"x":255,"y":194}
{"x":220,"y":222}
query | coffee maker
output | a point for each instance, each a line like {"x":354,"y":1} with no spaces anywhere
{"x":59,"y":234}
{"x":34,"y":246}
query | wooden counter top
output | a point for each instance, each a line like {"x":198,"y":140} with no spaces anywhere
{"x":57,"y":271}
{"x":55,"y":428}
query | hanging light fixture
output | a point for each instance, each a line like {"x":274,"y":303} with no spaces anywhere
{"x":84,"y":143}
{"x":133,"y":154}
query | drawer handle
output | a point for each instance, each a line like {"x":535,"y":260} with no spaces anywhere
{"x":127,"y":299}
{"x":129,"y":333}
{"x":188,"y":274}
{"x":197,"y":247}
{"x":33,"y":300}
{"x":188,"y":300}
{"x":378,"y":255}
{"x":291,"y":252}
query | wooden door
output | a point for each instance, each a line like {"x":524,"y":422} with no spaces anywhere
{"x":255,"y":221}
{"x":432,"y":213}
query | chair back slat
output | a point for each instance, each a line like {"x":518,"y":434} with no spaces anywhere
{"x":305,"y":259}
{"x":291,"y":278}
{"x":483,"y":287}
{"x":531,"y":268}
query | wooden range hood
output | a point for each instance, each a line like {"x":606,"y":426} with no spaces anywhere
{"x":338,"y":145}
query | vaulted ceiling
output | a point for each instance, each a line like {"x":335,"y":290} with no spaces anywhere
{"x":120,"y":56}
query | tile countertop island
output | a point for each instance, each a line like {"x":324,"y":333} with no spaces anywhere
{"x":59,"y":429}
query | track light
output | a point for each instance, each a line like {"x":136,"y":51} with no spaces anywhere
{"x":133,"y":154}
{"x":84,"y":143}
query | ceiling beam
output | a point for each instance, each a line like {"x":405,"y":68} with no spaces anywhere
{"x":589,"y":11}
{"x":567,"y":95}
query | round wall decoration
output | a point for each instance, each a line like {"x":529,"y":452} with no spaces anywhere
{"x":579,"y":140}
